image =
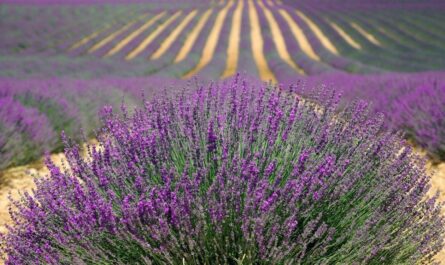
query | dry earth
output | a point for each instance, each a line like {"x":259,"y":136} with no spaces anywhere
{"x":20,"y":179}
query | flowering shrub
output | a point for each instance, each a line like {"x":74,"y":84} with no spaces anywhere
{"x":235,"y":174}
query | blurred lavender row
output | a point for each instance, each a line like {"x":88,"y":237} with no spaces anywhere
{"x":34,"y":112}
{"x":412,"y":103}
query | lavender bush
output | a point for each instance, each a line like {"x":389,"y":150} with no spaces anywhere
{"x":234,"y":174}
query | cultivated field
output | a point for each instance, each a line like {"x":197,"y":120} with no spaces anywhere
{"x":370,"y":69}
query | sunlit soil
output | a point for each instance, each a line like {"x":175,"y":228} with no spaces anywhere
{"x":212,"y":41}
{"x":366,"y":34}
{"x":168,"y":42}
{"x":438,"y":184}
{"x":150,"y":38}
{"x":14,"y":181}
{"x":257,"y":46}
{"x":234,"y":42}
{"x":278,"y":39}
{"x":345,"y":36}
{"x":19,"y":180}
{"x":113,"y":35}
{"x":87,"y":38}
{"x":299,"y":35}
{"x":318,"y":33}
{"x":193,"y":36}
{"x":119,"y":46}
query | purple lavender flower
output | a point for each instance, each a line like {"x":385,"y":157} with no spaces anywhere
{"x":187,"y":180}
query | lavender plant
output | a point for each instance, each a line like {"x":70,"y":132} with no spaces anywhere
{"x":233,"y":174}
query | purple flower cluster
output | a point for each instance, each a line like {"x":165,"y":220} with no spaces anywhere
{"x":236,"y":173}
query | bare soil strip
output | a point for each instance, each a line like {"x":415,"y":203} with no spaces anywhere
{"x":299,"y":36}
{"x":193,"y":35}
{"x":134,"y":34}
{"x":234,"y":42}
{"x":212,"y":41}
{"x":18,"y":180}
{"x":113,"y":35}
{"x":168,"y":42}
{"x":257,"y":43}
{"x":144,"y":44}
{"x":88,"y":38}
{"x":318,"y":33}
{"x":278,"y":39}
{"x":344,"y":35}
{"x":365,"y":34}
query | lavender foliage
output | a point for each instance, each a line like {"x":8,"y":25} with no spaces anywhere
{"x":234,"y":174}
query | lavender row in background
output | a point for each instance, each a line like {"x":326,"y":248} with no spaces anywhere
{"x":412,"y":103}
{"x":33,"y":113}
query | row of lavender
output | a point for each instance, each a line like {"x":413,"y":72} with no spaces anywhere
{"x":47,"y":29}
{"x":402,"y":40}
{"x":404,"y":44}
{"x":33,"y":113}
{"x":413,"y":104}
{"x":370,"y":58}
{"x":39,"y":110}
{"x":395,"y":98}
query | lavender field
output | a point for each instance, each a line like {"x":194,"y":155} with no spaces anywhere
{"x":222,"y":132}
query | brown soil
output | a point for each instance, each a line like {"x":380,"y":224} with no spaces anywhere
{"x":18,"y":180}
{"x":438,"y":184}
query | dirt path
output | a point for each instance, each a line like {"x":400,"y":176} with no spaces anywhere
{"x":257,"y":46}
{"x":299,"y":35}
{"x":20,"y":179}
{"x":438,"y":184}
{"x":278,"y":39}
{"x":193,"y":36}
{"x":168,"y":42}
{"x":212,"y":41}
{"x":318,"y":33}
{"x":234,"y":42}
